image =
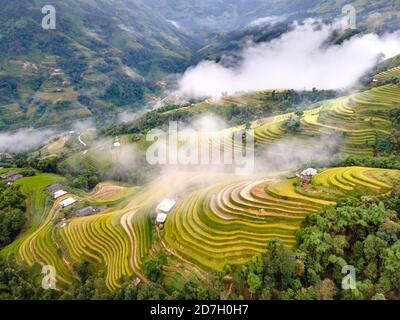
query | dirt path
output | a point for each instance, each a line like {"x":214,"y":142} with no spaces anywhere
{"x":80,"y":140}
{"x":126,"y":222}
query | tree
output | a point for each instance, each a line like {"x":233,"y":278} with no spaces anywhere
{"x":392,"y":265}
{"x":279,"y":262}
{"x":256,"y":264}
{"x":325,"y":290}
{"x":48,"y":164}
{"x":152,"y":268}
{"x":12,"y":213}
{"x":82,"y":270}
{"x":151,"y":291}
{"x":254,"y":282}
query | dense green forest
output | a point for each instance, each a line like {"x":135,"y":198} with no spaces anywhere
{"x":12,"y":213}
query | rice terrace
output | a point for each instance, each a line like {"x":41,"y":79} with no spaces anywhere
{"x":299,"y":179}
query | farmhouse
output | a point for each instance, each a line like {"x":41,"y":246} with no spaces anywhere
{"x":14,"y":178}
{"x":375,"y":82}
{"x":310,"y":172}
{"x":165,"y":206}
{"x":59,"y":194}
{"x":161,"y":217}
{"x":8,"y":174}
{"x":306,"y":175}
{"x":85,"y":211}
{"x":54,"y":187}
{"x":162,"y":210}
{"x":67,"y":202}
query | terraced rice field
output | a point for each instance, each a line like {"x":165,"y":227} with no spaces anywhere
{"x":230,"y":223}
{"x":350,"y":179}
{"x":358,"y":118}
{"x":36,"y":244}
{"x":116,"y":240}
{"x":103,"y":241}
{"x":218,"y":219}
{"x":391,"y":73}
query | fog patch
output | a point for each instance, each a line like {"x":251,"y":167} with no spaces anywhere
{"x":127,"y":116}
{"x":26,"y":139}
{"x":297,"y":153}
{"x":83,"y":125}
{"x":266,"y":21}
{"x":299,"y":59}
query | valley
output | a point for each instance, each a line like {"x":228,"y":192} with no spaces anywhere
{"x":81,"y":190}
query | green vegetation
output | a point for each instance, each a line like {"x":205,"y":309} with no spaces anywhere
{"x":235,"y":222}
{"x":236,"y":110}
{"x":12,"y":213}
{"x":365,"y":236}
{"x":92,"y":66}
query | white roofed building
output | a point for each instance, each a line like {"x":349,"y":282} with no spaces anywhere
{"x":166,"y":205}
{"x":59,"y":194}
{"x":161,"y":217}
{"x":310,"y":172}
{"x":67,"y":202}
{"x":306,"y":175}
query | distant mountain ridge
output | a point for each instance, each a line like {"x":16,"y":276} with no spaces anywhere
{"x":106,"y":57}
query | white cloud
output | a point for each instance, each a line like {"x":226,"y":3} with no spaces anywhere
{"x":126,"y":116}
{"x":298,"y":59}
{"x":23,"y":139}
{"x":261,"y":22}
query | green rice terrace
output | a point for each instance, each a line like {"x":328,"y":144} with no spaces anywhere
{"x":358,"y":119}
{"x":218,"y":219}
{"x":224,"y":222}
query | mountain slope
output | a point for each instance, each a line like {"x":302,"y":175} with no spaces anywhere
{"x":109,"y":56}
{"x":103,"y":57}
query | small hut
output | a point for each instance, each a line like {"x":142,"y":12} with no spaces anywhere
{"x":136,"y":282}
{"x":306,"y":175}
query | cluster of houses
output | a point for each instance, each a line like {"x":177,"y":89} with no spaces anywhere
{"x":11,"y":176}
{"x":162,"y":210}
{"x":57,"y":191}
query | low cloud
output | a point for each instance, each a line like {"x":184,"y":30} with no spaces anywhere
{"x":266,"y":21}
{"x":295,"y":153}
{"x":299,"y":59}
{"x":126,"y":116}
{"x":83,"y":125}
{"x":24,"y":140}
